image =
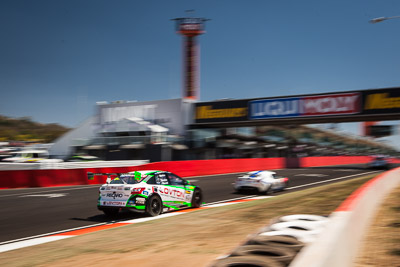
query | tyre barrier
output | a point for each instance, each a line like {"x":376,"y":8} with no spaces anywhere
{"x":297,"y":225}
{"x":251,"y":261}
{"x":279,"y":254}
{"x":276,"y":244}
{"x":276,"y":241}
{"x":302,"y":236}
{"x":303,"y":217}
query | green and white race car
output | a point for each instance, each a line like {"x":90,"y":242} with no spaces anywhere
{"x":151,"y":192}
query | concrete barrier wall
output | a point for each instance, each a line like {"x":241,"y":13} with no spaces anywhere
{"x":59,"y":177}
{"x":326,"y":161}
{"x":338,"y":245}
{"x":77,"y":176}
{"x":69,"y":165}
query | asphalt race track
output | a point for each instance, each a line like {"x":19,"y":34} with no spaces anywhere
{"x":37,"y":211}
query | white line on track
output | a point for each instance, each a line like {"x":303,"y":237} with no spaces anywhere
{"x":50,"y":191}
{"x":111,"y":222}
{"x":53,"y":233}
{"x":227,"y":200}
{"x":231,"y":173}
{"x":312,"y":174}
{"x":334,"y":179}
{"x":29,"y":243}
{"x":48,"y":237}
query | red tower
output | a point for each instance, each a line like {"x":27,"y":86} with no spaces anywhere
{"x":190,"y":28}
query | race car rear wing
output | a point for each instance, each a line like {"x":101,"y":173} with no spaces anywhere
{"x":91,"y":175}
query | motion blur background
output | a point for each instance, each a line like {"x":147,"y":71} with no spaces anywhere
{"x":60,"y":58}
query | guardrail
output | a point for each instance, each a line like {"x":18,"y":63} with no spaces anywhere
{"x":338,"y":244}
{"x":69,"y":165}
{"x":75,"y":174}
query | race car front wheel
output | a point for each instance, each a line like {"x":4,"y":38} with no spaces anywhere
{"x":154,"y":206}
{"x":197,"y":198}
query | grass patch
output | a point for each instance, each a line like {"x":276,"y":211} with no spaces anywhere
{"x":192,"y":239}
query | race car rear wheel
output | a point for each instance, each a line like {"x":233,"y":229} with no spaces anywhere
{"x":197,"y":198}
{"x":111,"y":212}
{"x":266,"y":191}
{"x":154,"y":206}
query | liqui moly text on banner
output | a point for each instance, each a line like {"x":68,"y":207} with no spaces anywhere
{"x":319,"y":105}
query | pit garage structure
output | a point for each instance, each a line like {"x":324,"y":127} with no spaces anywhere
{"x":180,"y":129}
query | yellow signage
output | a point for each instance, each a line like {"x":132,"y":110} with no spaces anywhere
{"x":207,"y":112}
{"x":381,"y":101}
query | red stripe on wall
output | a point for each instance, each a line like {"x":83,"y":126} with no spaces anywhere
{"x":61,"y":177}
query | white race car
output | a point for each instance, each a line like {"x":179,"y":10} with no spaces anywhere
{"x":151,"y":192}
{"x":263,"y":181}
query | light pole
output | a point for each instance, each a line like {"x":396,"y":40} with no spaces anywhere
{"x":380,"y":19}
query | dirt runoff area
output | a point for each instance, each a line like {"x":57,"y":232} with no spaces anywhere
{"x":381,"y":246}
{"x":191,"y":239}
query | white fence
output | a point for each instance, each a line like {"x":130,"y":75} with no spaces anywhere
{"x":70,"y":165}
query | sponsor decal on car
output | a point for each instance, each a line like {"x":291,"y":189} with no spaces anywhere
{"x":113,"y":203}
{"x":115,"y":195}
{"x":172,"y":192}
{"x":115,"y":188}
{"x":140,"y":200}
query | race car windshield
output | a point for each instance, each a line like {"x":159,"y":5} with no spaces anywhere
{"x":132,"y":180}
{"x":276,"y":176}
{"x":127,"y":179}
{"x":117,"y":181}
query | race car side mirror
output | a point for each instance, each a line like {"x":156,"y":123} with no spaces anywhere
{"x":108,"y":180}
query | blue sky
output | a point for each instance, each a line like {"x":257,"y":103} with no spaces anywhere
{"x":57,"y":58}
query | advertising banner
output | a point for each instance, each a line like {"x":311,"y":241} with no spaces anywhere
{"x":221,"y":111}
{"x":319,"y":105}
{"x":354,"y":104}
{"x":381,"y":101}
{"x":275,"y":108}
